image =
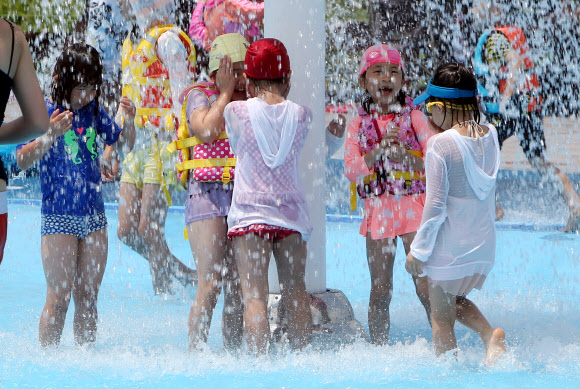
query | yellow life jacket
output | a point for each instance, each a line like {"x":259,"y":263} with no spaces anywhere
{"x":219,"y":169}
{"x":146,"y":80}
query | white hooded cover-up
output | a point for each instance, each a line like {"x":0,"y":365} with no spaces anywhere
{"x":267,"y":140}
{"x":456,"y":240}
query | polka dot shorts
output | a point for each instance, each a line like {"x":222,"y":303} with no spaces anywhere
{"x":79,"y":226}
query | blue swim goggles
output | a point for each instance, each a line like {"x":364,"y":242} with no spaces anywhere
{"x":444,"y":93}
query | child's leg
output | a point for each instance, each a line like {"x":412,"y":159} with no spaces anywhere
{"x":380,"y":257}
{"x":3,"y":215}
{"x":129,"y":213}
{"x":92,"y":260}
{"x":252,"y":257}
{"x":532,"y":139}
{"x":162,"y":262}
{"x":564,"y":186}
{"x":59,"y":261}
{"x":142,"y":216}
{"x":233,"y":315}
{"x":442,"y":319}
{"x":421,"y":283}
{"x":207,"y":239}
{"x":3,"y":233}
{"x":290,"y":254}
{"x":470,"y":316}
{"x":152,"y":229}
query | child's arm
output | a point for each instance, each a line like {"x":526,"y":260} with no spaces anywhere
{"x":355,"y":164}
{"x":110,"y":161}
{"x":435,"y":211}
{"x":31,"y":152}
{"x":335,"y":134}
{"x":208,"y":122}
{"x":173,"y":54}
{"x":127,"y":137}
{"x":434,"y":214}
{"x":515,"y":65}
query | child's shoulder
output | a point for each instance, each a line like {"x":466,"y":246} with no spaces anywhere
{"x":441,"y":142}
{"x":417,"y":114}
{"x":419,"y":122}
{"x":235,"y":109}
{"x":236,"y":106}
{"x":303,"y":112}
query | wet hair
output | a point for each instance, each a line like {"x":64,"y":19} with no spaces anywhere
{"x":457,"y":75}
{"x":264,"y":84}
{"x":367,"y":99}
{"x":78,"y":64}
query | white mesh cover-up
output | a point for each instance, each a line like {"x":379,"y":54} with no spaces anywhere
{"x":267,"y":140}
{"x":456,"y":240}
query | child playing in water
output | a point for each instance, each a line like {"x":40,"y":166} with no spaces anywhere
{"x":156,"y":68}
{"x":213,"y":18}
{"x":511,"y":88}
{"x":73,"y":224}
{"x":455,"y":247}
{"x":269,"y":214}
{"x":210,"y":190}
{"x":383,"y":157}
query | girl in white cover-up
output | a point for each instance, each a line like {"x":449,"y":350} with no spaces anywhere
{"x":269,"y":214}
{"x":455,"y":245}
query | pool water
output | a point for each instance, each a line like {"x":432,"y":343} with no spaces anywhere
{"x":533,"y":293}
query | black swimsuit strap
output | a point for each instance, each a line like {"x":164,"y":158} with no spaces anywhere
{"x":12,"y":50}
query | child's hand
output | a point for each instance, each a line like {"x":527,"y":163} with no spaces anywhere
{"x":391,"y":143}
{"x":128,"y":107}
{"x":395,"y":152}
{"x":225,"y":79}
{"x":392,"y":136}
{"x":110,"y":164}
{"x":60,"y":123}
{"x":413,"y":266}
{"x":337,"y":126}
{"x":393,"y":132}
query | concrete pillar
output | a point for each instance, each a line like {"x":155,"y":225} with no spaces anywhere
{"x":300,"y":25}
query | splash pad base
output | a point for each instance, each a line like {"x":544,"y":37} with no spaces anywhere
{"x":333,"y":319}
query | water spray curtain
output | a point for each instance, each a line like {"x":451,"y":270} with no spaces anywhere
{"x":43,"y":15}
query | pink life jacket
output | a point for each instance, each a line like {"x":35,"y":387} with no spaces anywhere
{"x":388,"y":176}
{"x":209,"y":162}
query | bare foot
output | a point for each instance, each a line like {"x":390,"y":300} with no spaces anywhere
{"x":499,"y":213}
{"x":496,"y":346}
{"x":573,"y":224}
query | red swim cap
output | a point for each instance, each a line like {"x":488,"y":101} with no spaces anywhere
{"x":267,"y":59}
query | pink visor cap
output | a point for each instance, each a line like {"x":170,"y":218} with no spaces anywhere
{"x":380,"y":53}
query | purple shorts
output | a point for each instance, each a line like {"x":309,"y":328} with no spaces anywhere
{"x":207,"y":200}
